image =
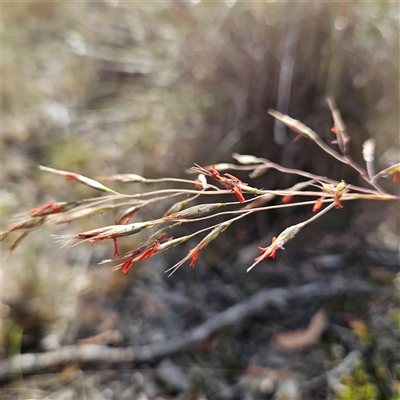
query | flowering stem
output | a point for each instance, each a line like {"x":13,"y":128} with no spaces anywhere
{"x":304,"y":130}
{"x":286,"y":170}
{"x":347,"y":160}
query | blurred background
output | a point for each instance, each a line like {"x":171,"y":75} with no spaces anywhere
{"x":151,"y":88}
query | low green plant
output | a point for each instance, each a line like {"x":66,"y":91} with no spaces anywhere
{"x":358,"y":386}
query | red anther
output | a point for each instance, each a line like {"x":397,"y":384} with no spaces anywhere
{"x":215,"y":174}
{"x":287,"y":199}
{"x":337,"y":201}
{"x":198,"y":185}
{"x":194,"y":258}
{"x":46,"y":209}
{"x":126,"y":266}
{"x":150,"y":251}
{"x":128,"y":218}
{"x":269,"y":251}
{"x":71,"y":177}
{"x":238,"y":193}
{"x":318,"y":204}
{"x":115,"y":247}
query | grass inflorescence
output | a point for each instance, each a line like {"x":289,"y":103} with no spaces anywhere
{"x":211,"y":180}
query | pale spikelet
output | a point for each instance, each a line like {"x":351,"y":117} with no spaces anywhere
{"x":81,"y":213}
{"x":127,"y":214}
{"x":337,"y":191}
{"x":123,"y":178}
{"x":339,"y":125}
{"x":369,"y":150}
{"x":201,"y":181}
{"x":262,"y":169}
{"x":246,"y":159}
{"x":155,"y":237}
{"x":193,"y":212}
{"x":16,"y":242}
{"x":277,"y":243}
{"x":80,"y":178}
{"x":55,"y":208}
{"x":393,"y":169}
{"x":208,"y":168}
{"x":201,"y":245}
{"x":127,"y":265}
{"x":29,"y":223}
{"x":294,"y":124}
{"x":136,"y":255}
{"x":178,"y":206}
{"x":173,"y":243}
{"x":115,"y":231}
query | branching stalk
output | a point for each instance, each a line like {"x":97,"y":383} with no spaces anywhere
{"x":213,"y":180}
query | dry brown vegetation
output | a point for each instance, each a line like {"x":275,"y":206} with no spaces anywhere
{"x":151,"y":88}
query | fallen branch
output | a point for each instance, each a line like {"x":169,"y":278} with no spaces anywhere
{"x":332,"y":377}
{"x":26,"y":364}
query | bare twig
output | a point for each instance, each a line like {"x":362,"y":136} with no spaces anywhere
{"x":34,"y":363}
{"x":332,"y":377}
